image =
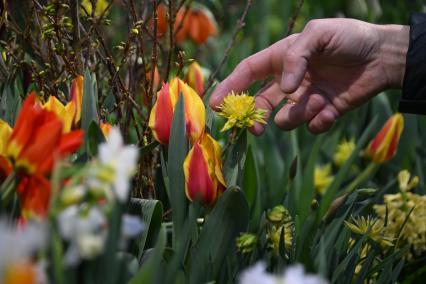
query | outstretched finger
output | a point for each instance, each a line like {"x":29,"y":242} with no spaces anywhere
{"x":256,"y":67}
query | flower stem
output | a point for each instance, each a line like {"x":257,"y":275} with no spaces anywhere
{"x":8,"y":188}
{"x":368,"y":171}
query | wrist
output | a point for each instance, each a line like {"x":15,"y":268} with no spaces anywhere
{"x":394,"y":40}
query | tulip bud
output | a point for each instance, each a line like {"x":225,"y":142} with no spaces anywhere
{"x":277,"y":215}
{"x":203,"y":171}
{"x":161,"y":117}
{"x":383,"y":147}
{"x":195,"y":78}
{"x":246,"y":243}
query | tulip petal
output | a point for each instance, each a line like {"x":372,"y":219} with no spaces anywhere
{"x":77,"y":97}
{"x":199,"y":182}
{"x":34,"y":194}
{"x":160,"y":119}
{"x":46,"y":138}
{"x":26,"y":123}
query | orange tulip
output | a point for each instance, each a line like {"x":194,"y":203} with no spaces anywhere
{"x":195,"y":77}
{"x":202,"y":26}
{"x":203,"y":171}
{"x":160,"y":119}
{"x":37,"y":139}
{"x":383,"y":147}
{"x":198,"y":24}
{"x":34,"y":195}
{"x":77,"y":97}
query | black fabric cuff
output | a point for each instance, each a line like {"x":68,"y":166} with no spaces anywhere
{"x":414,"y":86}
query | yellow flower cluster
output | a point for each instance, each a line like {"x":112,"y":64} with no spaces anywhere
{"x":322,"y":178}
{"x":240,"y":111}
{"x":399,"y":206}
{"x":371,"y":226}
{"x":343,"y":152}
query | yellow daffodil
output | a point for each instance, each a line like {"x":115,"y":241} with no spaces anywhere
{"x":395,"y":210}
{"x":343,"y":152}
{"x":405,"y":183}
{"x":322,"y":178}
{"x":240,"y":111}
{"x":371,"y":226}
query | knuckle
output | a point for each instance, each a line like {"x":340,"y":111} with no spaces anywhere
{"x":313,"y":25}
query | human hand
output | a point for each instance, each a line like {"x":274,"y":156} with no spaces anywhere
{"x":331,"y":67}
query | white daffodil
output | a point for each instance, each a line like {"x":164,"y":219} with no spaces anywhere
{"x":17,"y":249}
{"x":121,"y":159}
{"x":85,"y":229}
{"x":294,"y":274}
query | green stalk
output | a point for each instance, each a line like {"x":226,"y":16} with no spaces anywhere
{"x":361,"y":178}
{"x":8,"y":188}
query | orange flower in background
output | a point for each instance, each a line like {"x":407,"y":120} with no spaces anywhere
{"x":161,"y":117}
{"x":77,"y":97}
{"x":198,"y":24}
{"x":162,"y":20}
{"x":203,"y":171}
{"x":194,"y":77}
{"x":106,"y":128}
{"x":383,"y":147}
{"x":21,"y":273}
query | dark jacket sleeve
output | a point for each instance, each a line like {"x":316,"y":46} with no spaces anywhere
{"x":414,"y":86}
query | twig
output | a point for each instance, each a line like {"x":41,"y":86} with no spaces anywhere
{"x":294,"y":17}
{"x":171,"y":22}
{"x":240,"y":25}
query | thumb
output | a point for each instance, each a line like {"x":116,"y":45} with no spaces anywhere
{"x":296,"y":59}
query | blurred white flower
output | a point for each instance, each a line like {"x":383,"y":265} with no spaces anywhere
{"x":294,"y":274}
{"x":121,"y":159}
{"x":131,"y":226}
{"x":85,"y":229}
{"x":257,"y":275}
{"x":17,"y":248}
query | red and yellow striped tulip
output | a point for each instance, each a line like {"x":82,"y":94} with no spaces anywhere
{"x":160,"y":119}
{"x":66,"y":113}
{"x":203,"y":171}
{"x":77,"y":97}
{"x":194,"y":78}
{"x":383,"y":147}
